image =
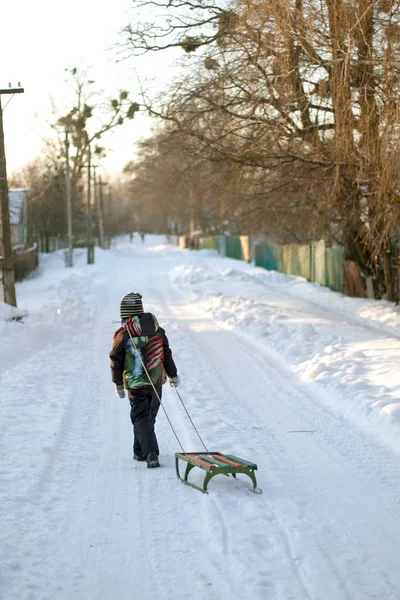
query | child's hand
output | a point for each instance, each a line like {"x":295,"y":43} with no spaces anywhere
{"x":119,"y":390}
{"x":174,"y":381}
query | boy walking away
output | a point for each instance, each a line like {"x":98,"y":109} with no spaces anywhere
{"x":141,"y":361}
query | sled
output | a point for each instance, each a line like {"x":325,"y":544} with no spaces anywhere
{"x":214,"y":463}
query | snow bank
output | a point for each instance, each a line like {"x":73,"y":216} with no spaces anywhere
{"x":346,"y":351}
{"x":9,"y":313}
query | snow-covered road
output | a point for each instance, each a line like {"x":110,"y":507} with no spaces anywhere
{"x":303,"y":381}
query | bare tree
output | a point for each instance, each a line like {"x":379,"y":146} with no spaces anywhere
{"x":305,"y":91}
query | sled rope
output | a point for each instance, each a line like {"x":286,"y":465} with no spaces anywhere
{"x":190,"y":419}
{"x":155,"y":389}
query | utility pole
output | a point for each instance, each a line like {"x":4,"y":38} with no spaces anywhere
{"x":109,"y":202}
{"x":109,"y":215}
{"x":69,"y":203}
{"x":90,"y":250}
{"x":90,"y":246}
{"x":7,"y":249}
{"x":101,"y":213}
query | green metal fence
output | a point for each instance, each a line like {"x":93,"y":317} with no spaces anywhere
{"x":234,"y":248}
{"x":210,"y":243}
{"x":334,"y":268}
{"x":288,"y":259}
{"x":266,"y":256}
{"x":295,"y":260}
{"x":314,"y":262}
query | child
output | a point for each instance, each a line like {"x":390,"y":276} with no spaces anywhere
{"x":140,"y":361}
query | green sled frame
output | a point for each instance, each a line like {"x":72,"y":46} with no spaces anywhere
{"x":214,"y":463}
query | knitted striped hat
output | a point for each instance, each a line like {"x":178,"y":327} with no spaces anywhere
{"x":131,"y":305}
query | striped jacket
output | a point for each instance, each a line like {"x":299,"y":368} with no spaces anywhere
{"x":150,"y":348}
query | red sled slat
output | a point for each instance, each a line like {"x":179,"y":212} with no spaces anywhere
{"x":227,"y":461}
{"x":199,"y":461}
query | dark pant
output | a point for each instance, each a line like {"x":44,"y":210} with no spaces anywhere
{"x":144,"y":409}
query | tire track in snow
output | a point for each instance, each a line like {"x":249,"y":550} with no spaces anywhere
{"x":340,"y":530}
{"x":338,"y":573}
{"x":206,"y":576}
{"x":130,"y":542}
{"x":222,"y":494}
{"x":111,"y":539}
{"x":59,"y":452}
{"x":41,"y":510}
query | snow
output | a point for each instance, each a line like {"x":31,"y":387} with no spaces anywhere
{"x":9,"y":313}
{"x":301,"y":380}
{"x":6,"y":311}
{"x":333,"y":348}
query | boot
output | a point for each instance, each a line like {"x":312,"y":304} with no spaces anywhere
{"x":152,"y":460}
{"x":139,"y":457}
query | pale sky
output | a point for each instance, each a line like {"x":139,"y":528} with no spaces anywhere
{"x":38,"y":41}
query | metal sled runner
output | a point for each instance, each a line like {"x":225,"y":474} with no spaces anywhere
{"x":214,"y":463}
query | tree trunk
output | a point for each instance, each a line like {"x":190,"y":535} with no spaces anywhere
{"x":387,"y":266}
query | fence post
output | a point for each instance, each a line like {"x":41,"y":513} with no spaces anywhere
{"x":222,"y":245}
{"x":245,"y":243}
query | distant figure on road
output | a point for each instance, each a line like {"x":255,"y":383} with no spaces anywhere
{"x":142,"y":235}
{"x":141,"y":361}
